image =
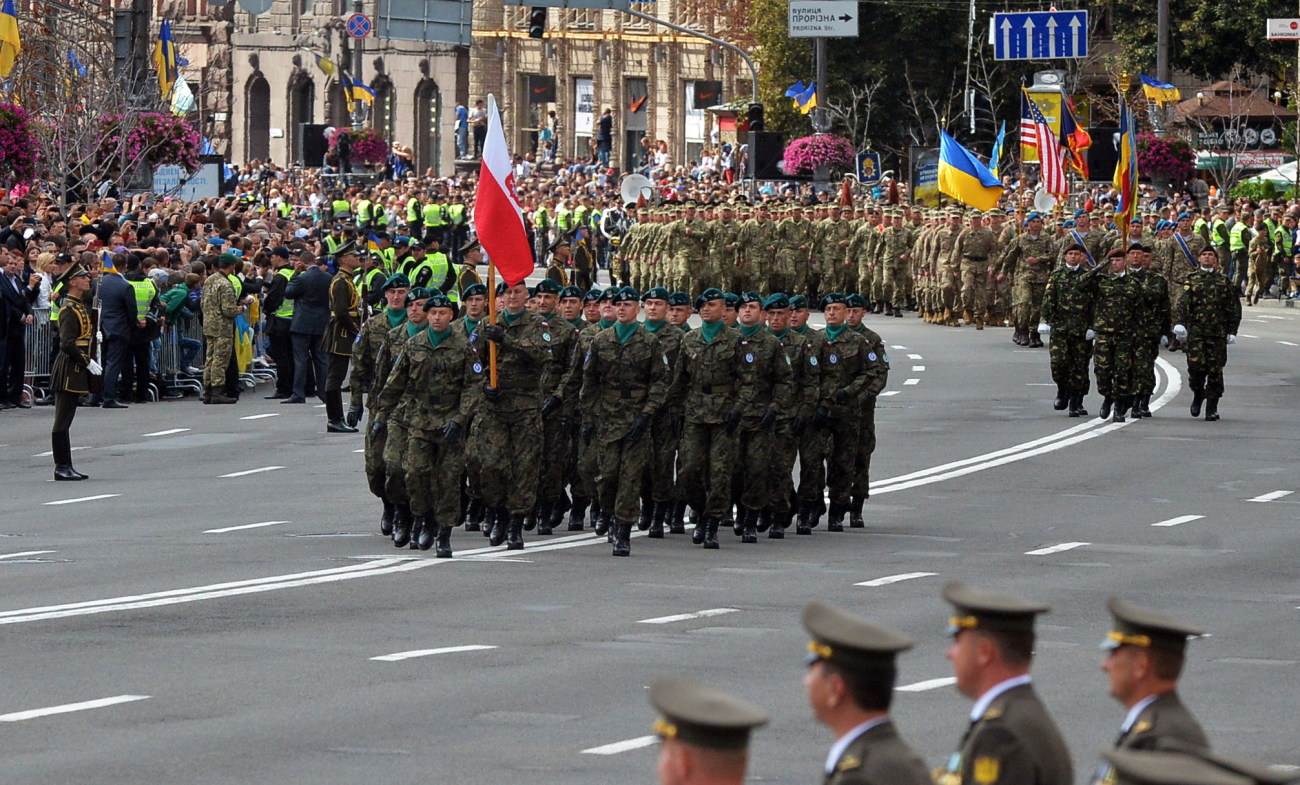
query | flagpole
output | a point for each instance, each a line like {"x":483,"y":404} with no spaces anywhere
{"x":492,"y":320}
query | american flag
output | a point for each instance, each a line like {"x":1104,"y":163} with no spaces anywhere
{"x":1028,"y":131}
{"x":1049,"y":151}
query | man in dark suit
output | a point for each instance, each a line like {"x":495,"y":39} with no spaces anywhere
{"x":1012,"y":740}
{"x":310,"y":291}
{"x":117,"y":316}
{"x":850,"y":684}
{"x":15,"y":315}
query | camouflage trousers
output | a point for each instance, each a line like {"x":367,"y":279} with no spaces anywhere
{"x":866,"y":447}
{"x":622,"y":465}
{"x":217,"y":356}
{"x":1145,"y":350}
{"x":584,"y":484}
{"x":664,"y":437}
{"x":504,"y":448}
{"x":433,"y":475}
{"x":1069,"y":354}
{"x":1112,"y":364}
{"x":784,"y":453}
{"x":813,"y":443}
{"x":1206,"y":356}
{"x":842,"y":457}
{"x":896,"y":285}
{"x":375,"y":474}
{"x":394,"y":454}
{"x":550,"y":480}
{"x":708,"y":453}
{"x":974,"y":287}
{"x":754,"y":483}
{"x":877,"y":284}
{"x":1027,"y":303}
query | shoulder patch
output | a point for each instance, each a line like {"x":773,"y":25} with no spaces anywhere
{"x":986,"y":770}
{"x":848,"y":763}
{"x":1143,"y":726}
{"x":871,"y":356}
{"x":478,"y":368}
{"x":813,"y":361}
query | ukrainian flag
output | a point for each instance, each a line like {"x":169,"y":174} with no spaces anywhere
{"x":964,"y":178}
{"x":361,"y":92}
{"x":996,"y":155}
{"x":164,"y":59}
{"x":325,"y":64}
{"x":372,"y":242}
{"x":346,"y":84}
{"x":806,"y":101}
{"x":10,"y":42}
{"x":1160,"y":92}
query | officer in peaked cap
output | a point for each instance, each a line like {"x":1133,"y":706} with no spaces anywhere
{"x":704,"y":732}
{"x":1012,"y":737}
{"x":1145,"y":655}
{"x":1149,"y":767}
{"x":850,"y":685}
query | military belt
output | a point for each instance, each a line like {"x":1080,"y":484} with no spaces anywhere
{"x":713,"y":389}
{"x":434,"y":400}
{"x":626,"y":393}
{"x":502,"y":385}
{"x":976,"y":258}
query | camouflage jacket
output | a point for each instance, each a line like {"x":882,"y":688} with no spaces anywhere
{"x":621,"y":381}
{"x":429,"y":385}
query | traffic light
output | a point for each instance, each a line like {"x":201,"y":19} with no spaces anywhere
{"x":537,"y":22}
{"x":755,"y":117}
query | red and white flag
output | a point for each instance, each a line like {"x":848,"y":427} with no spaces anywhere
{"x":498,"y":218}
{"x":1050,"y":155}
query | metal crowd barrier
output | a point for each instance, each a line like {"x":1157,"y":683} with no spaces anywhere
{"x":40,"y":348}
{"x":175,"y":376}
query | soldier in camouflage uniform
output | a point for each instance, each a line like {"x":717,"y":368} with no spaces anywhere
{"x":724,"y":249}
{"x":691,"y":247}
{"x":584,"y":479}
{"x":858,"y":259}
{"x":812,"y":441}
{"x":1084,"y":233}
{"x":833,"y":254}
{"x":974,"y":251}
{"x":550,"y":483}
{"x":1184,"y":248}
{"x":792,"y":421}
{"x":1211,"y":308}
{"x":1000,"y":288}
{"x":623,"y":386}
{"x":758,"y":242}
{"x":434,"y":389}
{"x":844,"y":377}
{"x":657,"y":493}
{"x":1028,"y":259}
{"x":1115,"y":299}
{"x":1066,"y":317}
{"x":794,"y":250}
{"x":1153,"y":327}
{"x":505,"y":439}
{"x":369,"y":371}
{"x":947,"y":267}
{"x":877,"y":363}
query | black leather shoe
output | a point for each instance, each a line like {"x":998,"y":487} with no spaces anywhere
{"x":429,"y":531}
{"x":386,"y":521}
{"x":67,"y":474}
{"x":401,"y":526}
{"x":515,"y":533}
{"x":114,"y":405}
{"x":1062,"y":400}
{"x":338,"y":426}
{"x":277,"y":397}
{"x":294,"y":399}
{"x":443,"y":542}
{"x":500,"y":522}
{"x":711,"y":534}
{"x":697,"y":535}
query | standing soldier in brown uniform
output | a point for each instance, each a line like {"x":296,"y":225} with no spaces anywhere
{"x":665,"y":429}
{"x":220,"y":307}
{"x":1028,"y":259}
{"x":340,"y":333}
{"x":973,"y":250}
{"x":73,"y":367}
{"x":1184,"y":248}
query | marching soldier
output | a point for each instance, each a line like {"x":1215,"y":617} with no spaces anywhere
{"x":1211,"y":306}
{"x":813,"y":441}
{"x":665,"y":429}
{"x":550,"y":486}
{"x":583,"y":480}
{"x":1028,"y":260}
{"x":1153,"y":325}
{"x":846,"y":373}
{"x":973,"y":249}
{"x":793,"y":421}
{"x":1115,"y":298}
{"x":1067,"y":314}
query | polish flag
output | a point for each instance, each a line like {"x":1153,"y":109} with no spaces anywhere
{"x":498,"y":218}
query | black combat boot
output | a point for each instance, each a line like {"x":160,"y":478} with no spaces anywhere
{"x":61,"y":445}
{"x":836,"y":521}
{"x":622,"y":539}
{"x":1211,"y":409}
{"x":700,"y":532}
{"x":1035,"y":340}
{"x":443,"y":542}
{"x":544,"y":517}
{"x":1121,"y":409}
{"x":749,"y":526}
{"x":677,"y":518}
{"x":733,"y":519}
{"x":1075,"y":405}
{"x":802,"y":524}
{"x":428,"y":530}
{"x":601,"y":519}
{"x":855,"y":513}
{"x":595,"y":511}
{"x":1062,"y":400}
{"x":401,"y":526}
{"x":557,"y":513}
{"x":489,"y":515}
{"x":500,"y":523}
{"x":779,"y":520}
{"x":386,"y":520}
{"x":1107,"y":404}
{"x":764,"y":520}
{"x":417,"y":527}
{"x":710,"y":525}
{"x":1140,"y":406}
{"x":578,"y":513}
{"x":473,"y":515}
{"x":530,"y":520}
{"x":656,"y":531}
{"x":647,"y":512}
{"x":1197,"y":398}
{"x":515,"y":532}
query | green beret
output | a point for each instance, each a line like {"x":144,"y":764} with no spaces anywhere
{"x":623,"y":294}
{"x":396,"y":281}
{"x":607,"y":296}
{"x":436,"y":300}
{"x":227,"y":260}
{"x":655,"y":293}
{"x":708,"y":295}
{"x":547,"y":286}
{"x":776,"y":301}
{"x":418,"y":293}
{"x":592,"y":295}
{"x":475,"y":290}
{"x":571,"y":291}
{"x":831,"y":299}
{"x":749,"y":297}
{"x":855,"y":300}
{"x":798,"y":302}
{"x":732,"y":300}
{"x":678,"y":299}
{"x":501,"y":288}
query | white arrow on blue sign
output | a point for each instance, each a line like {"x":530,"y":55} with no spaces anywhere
{"x":1051,"y":35}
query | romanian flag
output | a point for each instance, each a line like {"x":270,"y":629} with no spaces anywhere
{"x":1160,"y":92}
{"x":164,"y":59}
{"x":996,"y":155}
{"x":964,"y":178}
{"x":10,"y":43}
{"x":1075,"y":139}
{"x":1126,"y":173}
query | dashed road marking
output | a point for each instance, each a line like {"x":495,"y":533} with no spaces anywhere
{"x":622,"y":746}
{"x":82,"y":499}
{"x":914,"y":357}
{"x":911,"y":382}
{"x":409,"y":655}
{"x":1065,"y":546}
{"x":31,"y":714}
{"x":1180,"y":520}
{"x":48,"y":454}
{"x":1288,"y":343}
{"x":252,"y":471}
{"x":1271,"y":496}
{"x":888,"y":579}
{"x":888,"y":393}
{"x":167,"y":432}
{"x":928,"y":684}
{"x":688,"y":616}
{"x":22,"y":554}
{"x":918,"y":368}
{"x":896,"y":346}
{"x":260,"y":416}
{"x":244,"y":526}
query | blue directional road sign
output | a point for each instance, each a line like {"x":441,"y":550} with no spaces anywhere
{"x":1051,"y":35}
{"x":868,"y":168}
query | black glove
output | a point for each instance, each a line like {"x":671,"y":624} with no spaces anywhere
{"x":551,"y":405}
{"x":798,"y":425}
{"x":732,"y":420}
{"x":354,"y":415}
{"x":451,"y":433}
{"x":378,"y":430}
{"x":491,"y":393}
{"x":679,"y":423}
{"x":821,"y":417}
{"x":769,"y":418}
{"x":841,"y":395}
{"x":494,"y":332}
{"x":567,"y":426}
{"x":588,"y":433}
{"x":639,"y":426}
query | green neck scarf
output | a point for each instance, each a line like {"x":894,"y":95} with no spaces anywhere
{"x":624,"y":331}
{"x":578,"y":323}
{"x":437,"y":338}
{"x":395,"y":316}
{"x":471,"y":324}
{"x":710,"y":330}
{"x":749,"y":332}
{"x":782,"y":333}
{"x":605,"y":324}
{"x":832,"y":333}
{"x":802,"y":330}
{"x":656,"y":325}
{"x":511,"y":318}
{"x":550,"y":317}
{"x":412,"y":330}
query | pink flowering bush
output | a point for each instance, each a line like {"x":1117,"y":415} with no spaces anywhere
{"x":368,"y":146}
{"x":18,"y":145}
{"x":1165,"y":160}
{"x":804,"y":155}
{"x":152,"y":138}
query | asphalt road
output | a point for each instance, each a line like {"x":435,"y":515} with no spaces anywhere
{"x":144,"y":644}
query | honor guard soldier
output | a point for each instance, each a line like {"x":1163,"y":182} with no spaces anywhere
{"x":1067,"y":311}
{"x":1145,"y":655}
{"x":704,"y":733}
{"x":73,"y":367}
{"x":1211,"y":306}
{"x":850,"y":685}
{"x":340,"y":333}
{"x":1012,"y":740}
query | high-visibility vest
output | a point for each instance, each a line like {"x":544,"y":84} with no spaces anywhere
{"x":145,"y":291}
{"x":456,"y":214}
{"x":388,"y":259}
{"x":542,"y":218}
{"x":1218,"y":231}
{"x":413,"y":209}
{"x":564,"y":219}
{"x":54,"y":302}
{"x":580,"y":215}
{"x":369,"y":281}
{"x":341,"y":207}
{"x":285,"y":311}
{"x":285,"y":209}
{"x":235,"y":282}
{"x":1236,"y":238}
{"x":439,"y":275}
{"x":381,"y":216}
{"x":332,"y":244}
{"x":432,"y":213}
{"x":363,"y":210}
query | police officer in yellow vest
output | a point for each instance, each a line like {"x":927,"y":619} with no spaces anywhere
{"x":365,"y":210}
{"x":339,"y":208}
{"x":458,"y":221}
{"x":148,"y":328}
{"x":1239,"y":235}
{"x":436,"y":272}
{"x":279,"y":319}
{"x":331,"y":242}
{"x":387,"y":253}
{"x":369,"y":281}
{"x":415,"y":259}
{"x":434,"y":218}
{"x":414,"y":215}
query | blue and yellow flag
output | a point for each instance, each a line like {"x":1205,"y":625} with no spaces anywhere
{"x":996,"y":155}
{"x":11,"y":44}
{"x":794,"y":89}
{"x":346,"y":84}
{"x":1126,"y":173}
{"x":361,"y":92}
{"x":372,"y":242}
{"x":964,"y":178}
{"x":806,"y":101}
{"x":1160,"y":92}
{"x":325,"y":65}
{"x":164,"y":59}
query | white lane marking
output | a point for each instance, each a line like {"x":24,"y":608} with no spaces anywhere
{"x":31,"y":714}
{"x":244,"y":526}
{"x":252,"y":471}
{"x":1181,"y":519}
{"x":911,"y":382}
{"x":888,"y":393}
{"x":896,"y":346}
{"x":1288,"y":343}
{"x":1269,"y":316}
{"x":361,"y":450}
{"x":687,"y":616}
{"x":1040,"y":384}
{"x":1272,"y":496}
{"x":82,"y":499}
{"x":918,"y":368}
{"x":48,"y":454}
{"x":260,"y":416}
{"x":22,"y":554}
{"x":1065,"y":546}
{"x":913,"y":356}
{"x":1070,"y":436}
{"x":407,"y":655}
{"x":320,"y":406}
{"x":888,"y":579}
{"x":622,"y":746}
{"x":928,"y":684}
{"x":1243,"y":335}
{"x":167,"y":432}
